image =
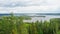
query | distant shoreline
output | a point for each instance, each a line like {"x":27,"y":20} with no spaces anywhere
{"x":31,"y":14}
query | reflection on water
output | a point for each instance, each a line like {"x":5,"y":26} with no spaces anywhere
{"x":35,"y":18}
{"x":47,"y":17}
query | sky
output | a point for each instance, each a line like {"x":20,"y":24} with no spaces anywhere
{"x":30,"y":6}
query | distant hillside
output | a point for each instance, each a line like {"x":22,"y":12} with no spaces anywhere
{"x":30,"y":14}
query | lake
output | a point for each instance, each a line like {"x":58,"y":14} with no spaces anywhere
{"x":36,"y":16}
{"x":47,"y":17}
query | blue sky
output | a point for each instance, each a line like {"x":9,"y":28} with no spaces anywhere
{"x":30,"y":6}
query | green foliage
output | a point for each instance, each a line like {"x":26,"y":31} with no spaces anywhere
{"x":15,"y":25}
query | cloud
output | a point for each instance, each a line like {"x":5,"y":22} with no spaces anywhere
{"x":29,"y":6}
{"x":23,"y":3}
{"x":31,"y":9}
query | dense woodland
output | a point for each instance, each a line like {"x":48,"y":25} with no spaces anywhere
{"x":15,"y":25}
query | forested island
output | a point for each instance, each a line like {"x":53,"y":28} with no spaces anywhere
{"x":15,"y":25}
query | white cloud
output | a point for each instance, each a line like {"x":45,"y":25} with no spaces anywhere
{"x":29,"y":6}
{"x":14,"y":3}
{"x":31,"y":9}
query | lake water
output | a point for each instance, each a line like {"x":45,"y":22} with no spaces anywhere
{"x":35,"y":18}
{"x":47,"y":17}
